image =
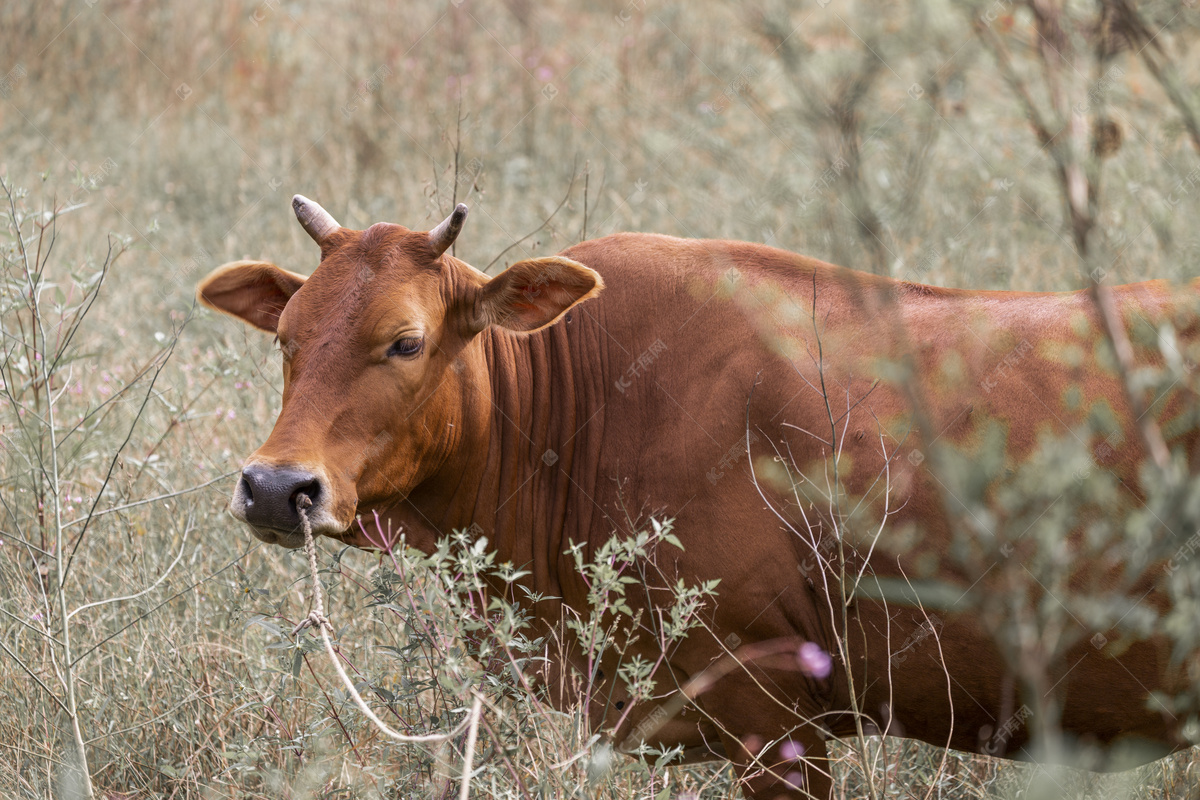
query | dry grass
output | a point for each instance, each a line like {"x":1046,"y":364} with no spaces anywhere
{"x":186,"y":130}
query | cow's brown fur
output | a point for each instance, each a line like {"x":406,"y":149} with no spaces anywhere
{"x":548,"y":438}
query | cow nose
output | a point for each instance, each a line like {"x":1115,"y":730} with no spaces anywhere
{"x":269,"y":495}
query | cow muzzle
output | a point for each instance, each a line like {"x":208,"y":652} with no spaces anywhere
{"x":265,"y":499}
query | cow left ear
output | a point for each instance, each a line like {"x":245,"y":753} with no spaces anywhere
{"x":253,"y":291}
{"x":534,"y":293}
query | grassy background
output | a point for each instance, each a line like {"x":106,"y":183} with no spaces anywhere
{"x":186,"y":129}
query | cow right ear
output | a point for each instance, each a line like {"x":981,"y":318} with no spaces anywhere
{"x":253,"y":291}
{"x":534,"y":293}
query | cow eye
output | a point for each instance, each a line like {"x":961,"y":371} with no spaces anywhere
{"x":407,"y":348}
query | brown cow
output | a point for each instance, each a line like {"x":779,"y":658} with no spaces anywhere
{"x":670,"y":375}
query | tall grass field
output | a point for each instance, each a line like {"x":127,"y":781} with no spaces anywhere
{"x":146,"y":638}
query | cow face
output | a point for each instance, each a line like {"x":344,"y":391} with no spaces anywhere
{"x":384,"y":385}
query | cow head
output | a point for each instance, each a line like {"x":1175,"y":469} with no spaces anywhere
{"x":385,"y":382}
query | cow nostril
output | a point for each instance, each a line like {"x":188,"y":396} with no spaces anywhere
{"x":267,"y":494}
{"x":312,"y":490}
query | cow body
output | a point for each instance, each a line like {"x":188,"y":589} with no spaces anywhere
{"x":712,"y":382}
{"x":650,"y":439}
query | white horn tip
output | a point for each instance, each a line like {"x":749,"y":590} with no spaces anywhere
{"x":443,"y":236}
{"x":317,"y":221}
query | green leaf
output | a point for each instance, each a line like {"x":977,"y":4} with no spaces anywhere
{"x":266,"y":624}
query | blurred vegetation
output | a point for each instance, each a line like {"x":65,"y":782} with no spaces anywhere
{"x":883,"y":136}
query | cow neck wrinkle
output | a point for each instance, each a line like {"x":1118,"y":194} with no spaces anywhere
{"x":545,"y":431}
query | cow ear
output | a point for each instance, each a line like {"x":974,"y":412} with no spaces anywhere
{"x":532,"y":294}
{"x":254,"y":291}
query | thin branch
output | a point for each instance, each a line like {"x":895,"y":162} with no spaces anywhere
{"x":148,"y":500}
{"x":40,"y":632}
{"x":147,"y":590}
{"x":545,"y":222}
{"x":117,"y":453}
{"x":141,"y":617}
{"x":33,"y":675}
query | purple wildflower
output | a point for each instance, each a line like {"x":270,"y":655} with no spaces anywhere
{"x":813,"y":660}
{"x":791,"y":751}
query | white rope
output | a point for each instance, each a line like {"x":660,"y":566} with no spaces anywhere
{"x":318,"y":620}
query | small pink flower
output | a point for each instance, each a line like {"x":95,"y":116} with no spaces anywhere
{"x":544,"y":74}
{"x":231,"y":414}
{"x":813,"y":660}
{"x":795,"y":779}
{"x":791,"y":751}
{"x":37,"y":616}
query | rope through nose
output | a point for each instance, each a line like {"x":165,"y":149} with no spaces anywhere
{"x":317,"y":619}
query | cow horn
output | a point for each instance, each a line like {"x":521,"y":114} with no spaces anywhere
{"x":317,"y":221}
{"x":441,"y":237}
